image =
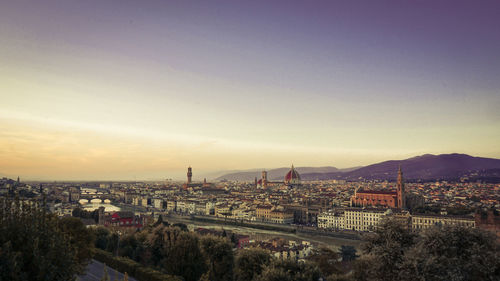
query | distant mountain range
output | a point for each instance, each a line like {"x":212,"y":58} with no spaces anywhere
{"x":427,"y":167}
{"x":274,"y":174}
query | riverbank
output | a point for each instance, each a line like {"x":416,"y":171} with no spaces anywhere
{"x":279,"y":228}
{"x":259,"y":232}
{"x":272,"y":227}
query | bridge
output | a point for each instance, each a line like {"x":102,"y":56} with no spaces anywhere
{"x":93,"y":196}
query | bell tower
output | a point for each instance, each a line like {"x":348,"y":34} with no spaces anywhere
{"x":401,"y":190}
{"x":189,"y":175}
{"x":264,"y":178}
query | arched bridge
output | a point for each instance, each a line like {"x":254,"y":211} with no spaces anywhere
{"x":94,"y":197}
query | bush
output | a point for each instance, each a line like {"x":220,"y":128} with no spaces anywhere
{"x":133,"y":268}
{"x":146,"y":273}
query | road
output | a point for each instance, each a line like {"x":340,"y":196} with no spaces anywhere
{"x":95,"y":271}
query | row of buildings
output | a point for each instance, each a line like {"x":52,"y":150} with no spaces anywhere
{"x":367,"y":219}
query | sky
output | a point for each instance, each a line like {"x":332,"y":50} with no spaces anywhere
{"x":127,"y":90}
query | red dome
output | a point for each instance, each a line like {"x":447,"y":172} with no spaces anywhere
{"x":292,"y":176}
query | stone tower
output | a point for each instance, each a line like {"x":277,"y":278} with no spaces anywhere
{"x":101,"y":216}
{"x":401,"y":190}
{"x":189,"y":175}
{"x":264,"y":178}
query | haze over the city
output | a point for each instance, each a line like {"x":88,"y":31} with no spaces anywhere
{"x":143,"y":89}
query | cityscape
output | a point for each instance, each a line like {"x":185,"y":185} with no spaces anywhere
{"x":249,"y":141}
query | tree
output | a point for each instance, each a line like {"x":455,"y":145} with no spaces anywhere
{"x":101,"y":237}
{"x":177,"y":252}
{"x":386,"y":248}
{"x":250,"y":263}
{"x":453,"y":253}
{"x":439,"y":253}
{"x":348,"y":253}
{"x":364,"y":269}
{"x":234,"y":240}
{"x":181,"y":225}
{"x":220,"y":259}
{"x":80,"y":237}
{"x":128,"y":247}
{"x":32,"y":246}
{"x":77,"y":212}
{"x":326,"y":260}
{"x":113,"y":243}
{"x":288,"y":270}
{"x":160,"y":221}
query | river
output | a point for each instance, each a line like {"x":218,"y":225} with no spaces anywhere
{"x":258,"y":234}
{"x":93,"y":206}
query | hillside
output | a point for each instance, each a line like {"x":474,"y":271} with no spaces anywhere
{"x":274,"y":174}
{"x":425,"y":167}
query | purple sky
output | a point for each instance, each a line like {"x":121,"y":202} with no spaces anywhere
{"x":339,"y":83}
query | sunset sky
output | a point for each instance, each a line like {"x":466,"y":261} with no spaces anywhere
{"x":102,"y":89}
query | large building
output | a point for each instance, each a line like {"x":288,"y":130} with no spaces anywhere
{"x":419,"y":222}
{"x":359,"y":219}
{"x":268,"y":213}
{"x":375,"y":198}
{"x":331,"y":220}
{"x":382,"y":198}
{"x":292,"y":178}
{"x":189,"y":183}
{"x":364,"y":219}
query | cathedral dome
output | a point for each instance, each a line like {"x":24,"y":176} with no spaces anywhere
{"x":292,"y":177}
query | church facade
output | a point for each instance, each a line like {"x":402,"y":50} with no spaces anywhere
{"x":382,"y":198}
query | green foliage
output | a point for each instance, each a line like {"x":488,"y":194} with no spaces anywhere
{"x":326,"y":260}
{"x":149,"y":274}
{"x":182,"y":226}
{"x":234,"y":240}
{"x":131,"y":267}
{"x":181,"y":254}
{"x":118,"y":263}
{"x":128,"y":247}
{"x":33,"y":246}
{"x":250,"y":263}
{"x":289,"y":271}
{"x":219,"y":258}
{"x":81,"y":238}
{"x":84,"y":214}
{"x":439,"y":253}
{"x":10,"y":262}
{"x":453,"y":253}
{"x":348,"y":253}
{"x":340,"y":277}
{"x":113,"y":243}
{"x":387,"y":246}
{"x":160,"y":221}
{"x":101,"y":237}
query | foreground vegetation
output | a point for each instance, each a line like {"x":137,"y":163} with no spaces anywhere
{"x":35,"y":245}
